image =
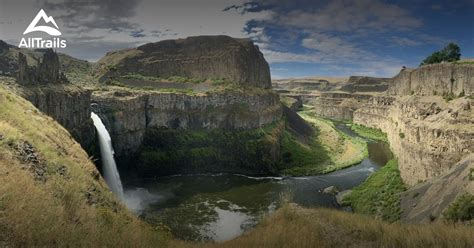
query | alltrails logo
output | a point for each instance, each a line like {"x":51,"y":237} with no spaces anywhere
{"x":55,"y":42}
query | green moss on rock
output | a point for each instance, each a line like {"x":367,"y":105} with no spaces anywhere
{"x":254,"y":151}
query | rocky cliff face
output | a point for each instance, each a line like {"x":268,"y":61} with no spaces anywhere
{"x":427,"y":201}
{"x":427,"y":134}
{"x":366,"y":84}
{"x":42,"y":82}
{"x":46,"y":71}
{"x":129,"y":115}
{"x":69,"y":105}
{"x":338,"y":106}
{"x":436,"y":79}
{"x":203,"y":57}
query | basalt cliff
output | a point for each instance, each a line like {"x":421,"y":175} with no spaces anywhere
{"x":39,"y":76}
{"x":427,"y":115}
{"x":201,"y":57}
{"x":189,"y":106}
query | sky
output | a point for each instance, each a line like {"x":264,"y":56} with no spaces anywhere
{"x":298,"y":38}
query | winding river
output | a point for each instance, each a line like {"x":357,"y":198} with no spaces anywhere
{"x":221,"y":207}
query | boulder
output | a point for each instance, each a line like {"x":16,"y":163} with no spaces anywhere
{"x":331,"y":190}
{"x":340,"y":196}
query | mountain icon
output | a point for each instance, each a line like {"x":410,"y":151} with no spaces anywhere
{"x":47,"y":29}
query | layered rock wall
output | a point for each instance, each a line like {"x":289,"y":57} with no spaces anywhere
{"x":428,"y":136}
{"x":202,"y":57}
{"x":338,"y":106}
{"x":366,"y":84}
{"x":69,"y":105}
{"x":129,"y":115}
{"x":436,"y":79}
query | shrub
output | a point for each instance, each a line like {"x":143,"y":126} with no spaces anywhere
{"x":448,"y":96}
{"x":462,"y":209}
{"x":450,"y":53}
{"x":402,"y":135}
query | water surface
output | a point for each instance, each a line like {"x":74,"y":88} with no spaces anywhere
{"x":221,"y":207}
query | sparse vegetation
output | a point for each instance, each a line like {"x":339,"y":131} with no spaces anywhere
{"x":371,"y":133}
{"x":293,"y":226}
{"x":287,"y":101}
{"x":171,"y":90}
{"x":379,"y":195}
{"x":172,"y":79}
{"x":464,"y":62}
{"x":112,"y":67}
{"x":111,"y":82}
{"x":462,"y":209}
{"x":448,"y":96}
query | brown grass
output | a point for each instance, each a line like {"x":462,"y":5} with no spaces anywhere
{"x":71,"y":208}
{"x":293,"y":226}
{"x":342,"y":149}
{"x":76,"y":209}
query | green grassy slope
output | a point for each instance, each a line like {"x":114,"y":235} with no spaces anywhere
{"x":51,"y":194}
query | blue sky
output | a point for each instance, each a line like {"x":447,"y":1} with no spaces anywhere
{"x":298,"y":38}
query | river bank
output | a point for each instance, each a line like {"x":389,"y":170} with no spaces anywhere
{"x":219,"y":207}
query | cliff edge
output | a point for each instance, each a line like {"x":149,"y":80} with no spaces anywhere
{"x":195,"y":58}
{"x":436,"y":79}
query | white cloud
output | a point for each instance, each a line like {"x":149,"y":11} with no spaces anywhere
{"x":331,"y":46}
{"x":350,"y":16}
{"x":403,"y":41}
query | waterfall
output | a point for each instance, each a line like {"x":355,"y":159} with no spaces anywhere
{"x":109,"y":168}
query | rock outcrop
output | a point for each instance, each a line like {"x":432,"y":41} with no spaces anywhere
{"x":338,"y":106}
{"x":427,"y":201}
{"x":202,"y":57}
{"x":45,"y":85}
{"x":366,"y":84}
{"x":69,"y":105}
{"x":129,"y":115}
{"x":427,"y":134}
{"x":436,"y":79}
{"x":46,"y":71}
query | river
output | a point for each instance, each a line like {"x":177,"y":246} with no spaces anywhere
{"x":221,"y":207}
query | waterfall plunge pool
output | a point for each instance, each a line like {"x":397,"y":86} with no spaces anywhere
{"x":220,"y":207}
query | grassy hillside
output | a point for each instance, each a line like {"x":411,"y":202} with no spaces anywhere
{"x":293,"y":226}
{"x":379,"y":195}
{"x":342,"y":149}
{"x":51,"y":193}
{"x":371,"y":133}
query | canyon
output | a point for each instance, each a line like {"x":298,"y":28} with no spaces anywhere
{"x":206,"y":105}
{"x":426,"y":116}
